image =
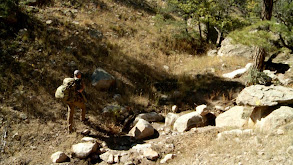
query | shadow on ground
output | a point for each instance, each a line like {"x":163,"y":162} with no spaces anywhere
{"x":31,"y":76}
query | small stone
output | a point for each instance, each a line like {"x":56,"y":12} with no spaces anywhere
{"x":88,"y":139}
{"x":280,"y":132}
{"x":59,"y":157}
{"x":174,"y":108}
{"x":48,"y":22}
{"x":86,"y":132}
{"x":166,"y":67}
{"x":167,"y":158}
{"x":150,"y":154}
{"x":75,"y":22}
{"x":16,"y":136}
{"x":111,"y":159}
{"x":116,"y":158}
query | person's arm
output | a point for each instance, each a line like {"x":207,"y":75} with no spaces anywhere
{"x":82,"y":86}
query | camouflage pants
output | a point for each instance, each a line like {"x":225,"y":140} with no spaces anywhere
{"x":71,"y":107}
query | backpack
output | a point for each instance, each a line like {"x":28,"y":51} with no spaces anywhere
{"x":66,"y":91}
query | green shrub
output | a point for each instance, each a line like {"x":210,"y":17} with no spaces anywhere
{"x":255,"y":77}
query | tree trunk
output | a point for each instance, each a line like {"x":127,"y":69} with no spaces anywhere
{"x":219,"y":38}
{"x":208,"y":32}
{"x":259,"y":58}
{"x":267,"y":9}
{"x":199,"y":28}
{"x":260,"y":53}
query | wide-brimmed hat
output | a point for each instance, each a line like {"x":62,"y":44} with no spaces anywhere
{"x":77,"y":72}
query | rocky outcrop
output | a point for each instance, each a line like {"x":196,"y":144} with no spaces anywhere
{"x":260,"y":95}
{"x":229,"y":49}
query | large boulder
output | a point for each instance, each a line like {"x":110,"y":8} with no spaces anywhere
{"x":235,"y":117}
{"x":142,"y":129}
{"x":82,"y":150}
{"x":187,"y":121}
{"x":260,"y":95}
{"x":102,"y":79}
{"x":229,"y":49}
{"x":277,"y":118}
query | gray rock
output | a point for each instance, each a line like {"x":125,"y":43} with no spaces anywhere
{"x":142,"y":129}
{"x":212,"y":53}
{"x":260,"y":95}
{"x":174,"y":108}
{"x":150,"y":117}
{"x":150,"y":154}
{"x":59,"y":157}
{"x":277,"y":118}
{"x":237,"y":73}
{"x":141,"y":147}
{"x":284,"y":80}
{"x":202,"y":110}
{"x":170,"y":119}
{"x":235,"y":117}
{"x":82,"y":150}
{"x":167,"y":158}
{"x":102,"y":80}
{"x":229,"y":49}
{"x":110,"y":157}
{"x":88,"y":139}
{"x":187,"y":121}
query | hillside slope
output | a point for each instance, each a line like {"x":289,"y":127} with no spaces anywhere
{"x":123,"y":38}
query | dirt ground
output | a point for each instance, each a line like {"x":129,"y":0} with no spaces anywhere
{"x":33,"y":142}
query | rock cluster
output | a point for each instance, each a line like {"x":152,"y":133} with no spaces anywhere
{"x":259,"y":108}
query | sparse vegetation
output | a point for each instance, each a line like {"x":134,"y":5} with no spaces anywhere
{"x":156,"y":56}
{"x":255,"y":77}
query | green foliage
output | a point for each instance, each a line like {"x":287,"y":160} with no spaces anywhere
{"x":7,"y":7}
{"x":212,"y":13}
{"x":283,"y":13}
{"x":261,"y":34}
{"x":255,"y":77}
{"x":174,"y":36}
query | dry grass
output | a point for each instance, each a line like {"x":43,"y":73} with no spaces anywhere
{"x":220,"y":65}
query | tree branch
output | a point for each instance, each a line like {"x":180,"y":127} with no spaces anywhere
{"x":284,"y":43}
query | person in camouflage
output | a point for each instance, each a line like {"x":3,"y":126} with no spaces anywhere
{"x":79,"y":101}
